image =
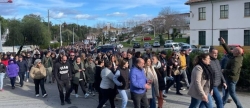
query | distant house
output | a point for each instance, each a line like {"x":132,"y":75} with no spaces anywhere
{"x":211,"y":19}
{"x":108,"y":28}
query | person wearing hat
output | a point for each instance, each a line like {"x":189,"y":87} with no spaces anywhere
{"x":23,"y":68}
{"x":38,"y":73}
{"x":12,"y":72}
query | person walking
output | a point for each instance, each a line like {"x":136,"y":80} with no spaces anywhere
{"x":202,"y":83}
{"x":121,"y":79}
{"x":12,"y":72}
{"x":23,"y":68}
{"x":151,"y":75}
{"x":139,"y":84}
{"x":98,"y":78}
{"x":218,"y":77}
{"x":2,"y":74}
{"x":107,"y":86}
{"x":48,"y":64}
{"x":232,"y":72}
{"x":38,"y":73}
{"x":79,"y":77}
{"x":90,"y":72}
{"x":63,"y":75}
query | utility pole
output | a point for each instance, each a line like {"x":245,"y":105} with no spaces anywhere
{"x":61,"y":34}
{"x":73,"y":36}
{"x":48,"y":22}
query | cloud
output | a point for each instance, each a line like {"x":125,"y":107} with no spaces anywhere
{"x":85,"y":16}
{"x":57,"y":15}
{"x":117,"y":14}
{"x":142,"y":16}
{"x":128,"y":4}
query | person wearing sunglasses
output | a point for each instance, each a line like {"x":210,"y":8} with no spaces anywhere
{"x":38,"y":74}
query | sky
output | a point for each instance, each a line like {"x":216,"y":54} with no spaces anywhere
{"x":90,"y":12}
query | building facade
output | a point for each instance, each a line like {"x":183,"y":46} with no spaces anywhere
{"x":211,"y":19}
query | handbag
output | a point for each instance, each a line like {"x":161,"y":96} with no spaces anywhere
{"x":176,"y":72}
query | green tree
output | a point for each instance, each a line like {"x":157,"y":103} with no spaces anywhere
{"x":15,"y":36}
{"x":3,"y":23}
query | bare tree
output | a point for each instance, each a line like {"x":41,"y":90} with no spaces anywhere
{"x":171,"y":19}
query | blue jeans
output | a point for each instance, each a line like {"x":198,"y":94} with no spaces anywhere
{"x":195,"y":103}
{"x":217,"y":97}
{"x":231,"y":86}
{"x":1,"y":80}
{"x":124,"y":97}
{"x":153,"y":100}
{"x":27,"y":75}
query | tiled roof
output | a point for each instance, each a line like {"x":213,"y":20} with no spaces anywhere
{"x":195,"y":1}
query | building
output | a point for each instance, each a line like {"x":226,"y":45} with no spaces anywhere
{"x":109,"y":29}
{"x":211,"y":19}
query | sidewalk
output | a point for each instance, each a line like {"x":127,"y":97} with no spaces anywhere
{"x":25,"y":98}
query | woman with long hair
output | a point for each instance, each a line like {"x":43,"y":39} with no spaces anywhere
{"x":38,"y":73}
{"x":83,"y":58}
{"x":202,"y":83}
{"x":90,"y":72}
{"x":121,"y":79}
{"x":80,"y":77}
{"x":151,"y":75}
{"x":173,"y":70}
{"x":160,"y":76}
{"x":115,"y":63}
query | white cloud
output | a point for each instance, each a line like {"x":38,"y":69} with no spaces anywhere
{"x":142,"y":16}
{"x":57,"y":15}
{"x":85,"y":16}
{"x":128,"y":4}
{"x":117,"y":14}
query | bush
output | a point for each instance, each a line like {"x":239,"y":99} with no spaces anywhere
{"x":162,"y":42}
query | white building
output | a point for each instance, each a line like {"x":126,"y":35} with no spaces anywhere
{"x":211,"y":19}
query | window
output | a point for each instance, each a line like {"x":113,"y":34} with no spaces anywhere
{"x":247,"y":9}
{"x":223,"y":11}
{"x":202,"y":13}
{"x":246,"y":37}
{"x":202,"y":37}
{"x":224,"y":35}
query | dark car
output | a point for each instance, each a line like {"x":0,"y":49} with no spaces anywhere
{"x":136,"y":45}
{"x":106,"y":48}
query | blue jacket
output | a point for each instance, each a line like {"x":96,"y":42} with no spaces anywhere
{"x":23,"y":66}
{"x":137,"y":80}
{"x":12,"y":70}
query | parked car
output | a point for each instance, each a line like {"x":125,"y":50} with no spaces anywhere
{"x":146,"y":38}
{"x":191,"y":48}
{"x":231,"y":47}
{"x":136,"y":45}
{"x":182,"y":43}
{"x":107,"y":47}
{"x":156,"y":44}
{"x":169,"y":41}
{"x":204,"y":48}
{"x":119,"y":46}
{"x":171,"y":46}
{"x":147,"y":46}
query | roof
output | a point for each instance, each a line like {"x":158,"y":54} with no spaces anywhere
{"x":195,"y":1}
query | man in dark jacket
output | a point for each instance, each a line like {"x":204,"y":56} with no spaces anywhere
{"x":63,"y":75}
{"x":218,"y":77}
{"x":23,"y":68}
{"x":29,"y":61}
{"x":232,"y":72}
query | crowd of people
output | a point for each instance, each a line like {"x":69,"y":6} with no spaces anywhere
{"x":147,"y":77}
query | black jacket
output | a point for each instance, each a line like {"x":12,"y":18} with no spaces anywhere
{"x":218,"y":76}
{"x":23,"y":66}
{"x":98,"y":77}
{"x":2,"y":68}
{"x":63,"y":71}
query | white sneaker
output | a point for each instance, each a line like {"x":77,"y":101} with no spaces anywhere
{"x":45,"y":95}
{"x":37,"y":95}
{"x":86,"y":95}
{"x":77,"y":95}
{"x":27,"y":80}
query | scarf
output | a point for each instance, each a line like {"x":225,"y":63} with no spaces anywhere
{"x":157,"y":65}
{"x":207,"y":73}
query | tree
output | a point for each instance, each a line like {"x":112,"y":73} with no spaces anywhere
{"x":15,"y":36}
{"x":171,"y":18}
{"x":3,"y":25}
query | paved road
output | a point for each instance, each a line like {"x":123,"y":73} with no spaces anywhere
{"x":142,"y":49}
{"x":25,"y":98}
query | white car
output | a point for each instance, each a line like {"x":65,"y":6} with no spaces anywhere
{"x":120,"y":46}
{"x":156,"y":44}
